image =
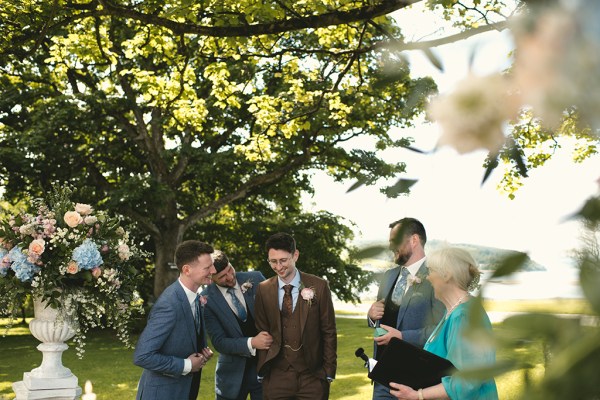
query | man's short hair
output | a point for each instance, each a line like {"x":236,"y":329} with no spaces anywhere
{"x":189,"y":250}
{"x":409,"y":226}
{"x":220,"y":260}
{"x":281,"y":241}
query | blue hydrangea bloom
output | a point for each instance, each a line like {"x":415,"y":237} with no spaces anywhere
{"x":3,"y":252}
{"x":24,"y":270}
{"x":87,"y":256}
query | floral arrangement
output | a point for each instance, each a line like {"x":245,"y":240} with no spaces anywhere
{"x":75,"y":259}
{"x":246,"y":286}
{"x":308,"y":294}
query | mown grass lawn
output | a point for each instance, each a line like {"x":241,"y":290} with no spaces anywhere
{"x":108,"y":364}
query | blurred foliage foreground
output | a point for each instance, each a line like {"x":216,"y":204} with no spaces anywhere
{"x":571,"y":345}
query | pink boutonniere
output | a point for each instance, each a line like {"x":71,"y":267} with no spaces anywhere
{"x":246,"y":286}
{"x":203,"y":300}
{"x":413,"y":280}
{"x":308,"y":294}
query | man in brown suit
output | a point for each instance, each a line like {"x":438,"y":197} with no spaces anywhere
{"x":296,"y":309}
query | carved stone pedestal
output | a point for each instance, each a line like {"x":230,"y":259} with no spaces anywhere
{"x":51,"y":380}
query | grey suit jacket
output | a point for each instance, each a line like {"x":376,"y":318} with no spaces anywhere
{"x":419,"y":311}
{"x":169,"y":338}
{"x":227,"y":337}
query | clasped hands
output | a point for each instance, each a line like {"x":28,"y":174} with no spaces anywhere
{"x":375,"y":314}
{"x":262,"y":341}
{"x":200,"y":359}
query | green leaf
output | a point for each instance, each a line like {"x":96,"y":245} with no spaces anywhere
{"x":491,"y":164}
{"x":356,"y":185}
{"x":488,"y":372}
{"x":547,"y":326}
{"x":86,"y":275}
{"x":584,"y":350}
{"x":434,"y":59}
{"x":590,"y":282}
{"x":400,"y":187}
{"x":590,"y":210}
{"x":516,"y":154}
{"x":510,"y":264}
{"x":370,"y":252}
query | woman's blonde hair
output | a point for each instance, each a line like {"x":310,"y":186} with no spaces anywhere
{"x":455,"y":264}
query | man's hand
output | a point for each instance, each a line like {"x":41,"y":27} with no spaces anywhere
{"x":262,"y":341}
{"x":199,"y":360}
{"x":376,"y":310}
{"x":207,"y":353}
{"x":385,"y":339}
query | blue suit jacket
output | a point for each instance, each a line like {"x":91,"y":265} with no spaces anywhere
{"x":419,"y":311}
{"x":227,"y":337}
{"x":169,"y":338}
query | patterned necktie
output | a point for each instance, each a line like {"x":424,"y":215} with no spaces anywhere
{"x":239,"y":308}
{"x":287,"y":300}
{"x":400,"y":287}
{"x":197,"y":320}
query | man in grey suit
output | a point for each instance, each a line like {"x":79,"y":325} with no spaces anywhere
{"x":172,"y":348}
{"x":229,"y":317}
{"x":406,"y":307}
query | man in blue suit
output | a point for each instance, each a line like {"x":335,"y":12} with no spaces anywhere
{"x":406,"y":307}
{"x":172,"y":348}
{"x":229,"y":319}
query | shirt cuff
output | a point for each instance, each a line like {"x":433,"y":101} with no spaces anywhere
{"x":250,"y":348}
{"x":187,"y":366}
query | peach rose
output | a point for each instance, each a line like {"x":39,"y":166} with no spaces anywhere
{"x":83,"y":209}
{"x":72,"y":218}
{"x":36,"y":247}
{"x":72,"y":267}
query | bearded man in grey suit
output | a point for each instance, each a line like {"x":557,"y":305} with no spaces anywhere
{"x":406,"y":307}
{"x":229,"y":317}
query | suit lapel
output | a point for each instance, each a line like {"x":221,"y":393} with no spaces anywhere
{"x":222,"y":306}
{"x":389,"y":284}
{"x":409,"y":293}
{"x":302,"y":305}
{"x":273,"y":306}
{"x":249,"y":294}
{"x":187,"y":312}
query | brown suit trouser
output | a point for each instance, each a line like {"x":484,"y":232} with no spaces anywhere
{"x":294,"y":385}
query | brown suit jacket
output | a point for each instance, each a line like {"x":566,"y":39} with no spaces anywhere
{"x":317,"y":325}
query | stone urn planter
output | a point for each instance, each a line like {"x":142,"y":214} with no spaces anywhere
{"x":51,"y":380}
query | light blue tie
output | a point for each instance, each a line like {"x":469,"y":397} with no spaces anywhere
{"x":400,"y":287}
{"x":239,"y":308}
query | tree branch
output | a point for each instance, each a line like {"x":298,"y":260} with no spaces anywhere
{"x":288,"y":25}
{"x":242,"y":191}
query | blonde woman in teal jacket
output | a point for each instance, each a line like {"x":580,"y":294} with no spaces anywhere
{"x":452,"y":272}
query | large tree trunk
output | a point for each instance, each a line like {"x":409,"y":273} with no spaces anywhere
{"x":165,"y":269}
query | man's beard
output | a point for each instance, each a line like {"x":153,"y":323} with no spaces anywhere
{"x":402,"y":258}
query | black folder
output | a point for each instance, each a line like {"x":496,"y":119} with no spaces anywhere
{"x":407,"y":364}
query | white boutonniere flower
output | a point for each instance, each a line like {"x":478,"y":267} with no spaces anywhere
{"x":308,"y":294}
{"x":412,"y":280}
{"x":246,"y":286}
